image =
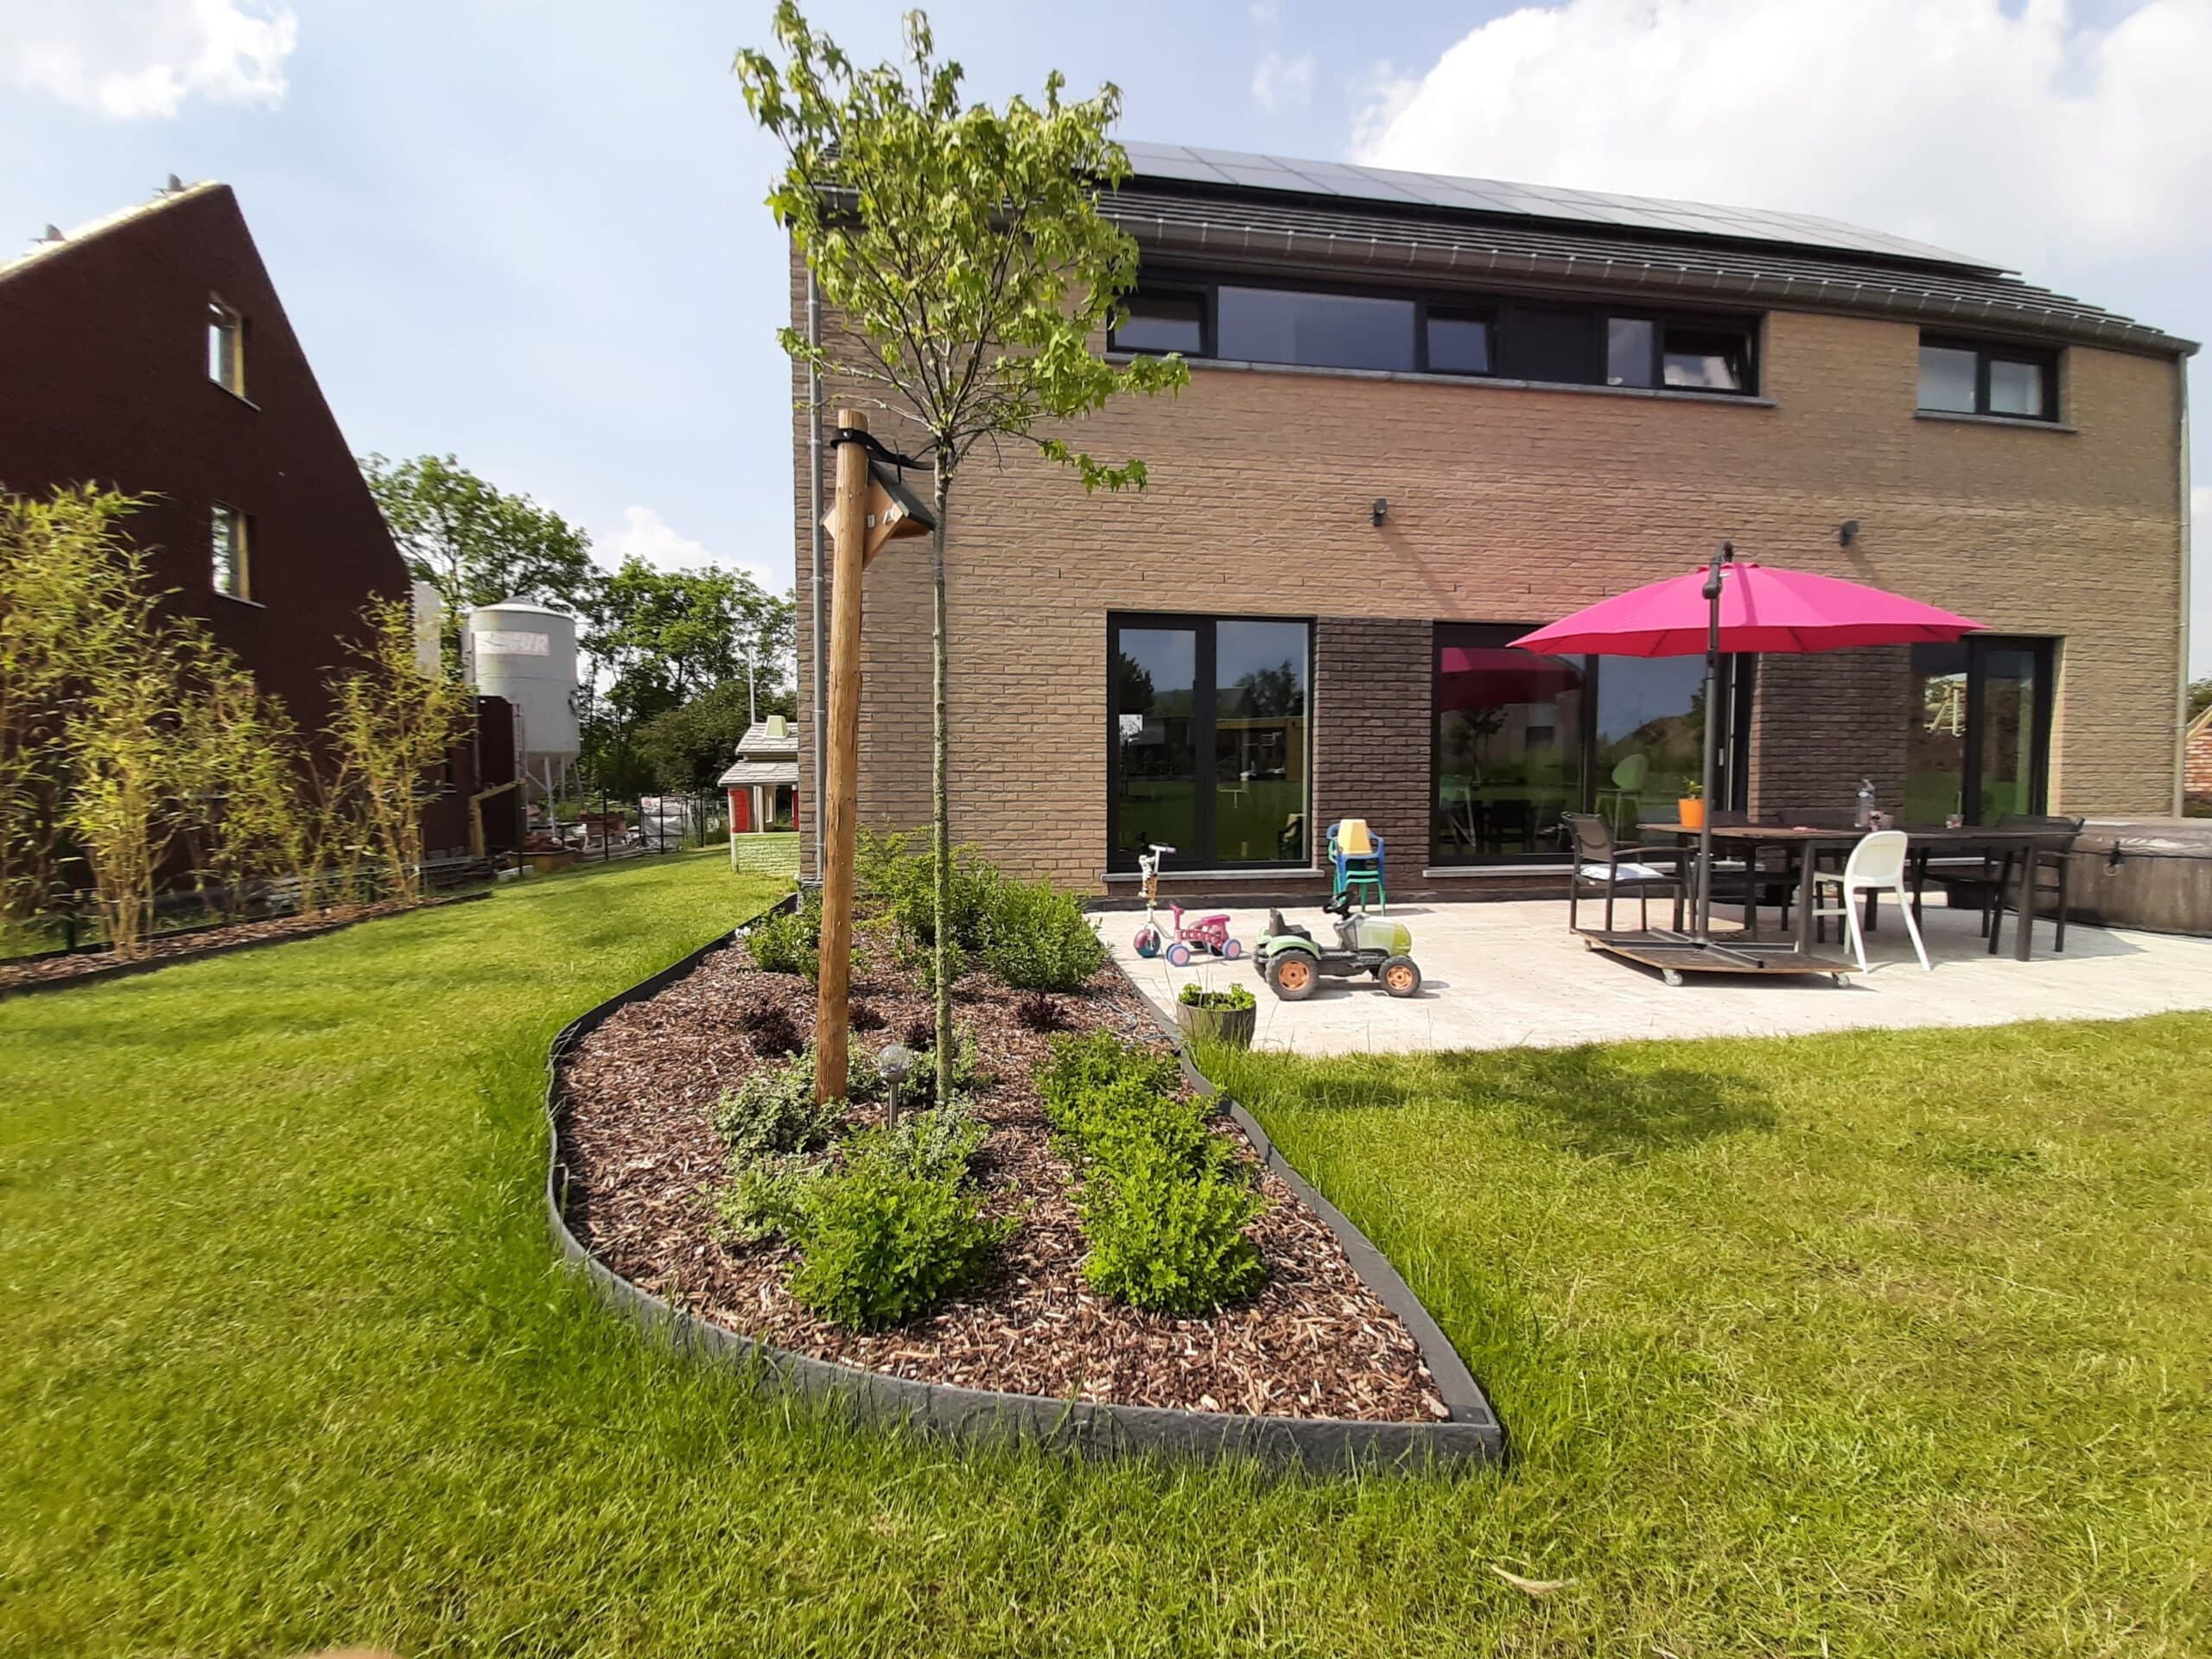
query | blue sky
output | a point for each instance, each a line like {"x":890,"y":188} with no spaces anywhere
{"x":531,"y":233}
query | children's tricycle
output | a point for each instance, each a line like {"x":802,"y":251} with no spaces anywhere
{"x":1292,"y":963}
{"x":1208,"y":933}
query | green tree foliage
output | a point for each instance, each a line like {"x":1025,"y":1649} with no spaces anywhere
{"x":961,"y":249}
{"x":476,"y":543}
{"x":689,"y":748}
{"x":392,"y":729}
{"x":2200,"y":697}
{"x":659,"y":642}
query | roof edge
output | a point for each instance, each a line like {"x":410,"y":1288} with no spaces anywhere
{"x":50,"y":247}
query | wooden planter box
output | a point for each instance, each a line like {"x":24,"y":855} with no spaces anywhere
{"x":1232,"y":1026}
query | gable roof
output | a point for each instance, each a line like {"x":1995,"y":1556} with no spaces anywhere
{"x":57,"y":243}
{"x":1218,"y":206}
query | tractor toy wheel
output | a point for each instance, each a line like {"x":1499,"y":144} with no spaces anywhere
{"x":1178,"y":955}
{"x":1400,"y":976}
{"x":1147,"y":941}
{"x":1230,"y":949}
{"x":1292,"y":976}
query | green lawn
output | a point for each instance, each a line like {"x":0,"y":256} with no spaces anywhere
{"x":1876,"y":1344}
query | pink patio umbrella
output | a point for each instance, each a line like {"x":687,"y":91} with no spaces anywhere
{"x":1496,"y":677}
{"x":1732,"y":607}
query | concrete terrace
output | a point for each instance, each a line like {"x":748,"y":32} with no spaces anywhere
{"x":1508,"y":975}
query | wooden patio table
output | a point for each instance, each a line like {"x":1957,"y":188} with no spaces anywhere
{"x":1807,"y":842}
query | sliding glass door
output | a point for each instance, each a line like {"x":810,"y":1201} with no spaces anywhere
{"x":1522,"y":739}
{"x":1978,"y":742}
{"x":1207,"y":748}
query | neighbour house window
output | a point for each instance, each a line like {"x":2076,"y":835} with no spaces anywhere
{"x":1207,"y":740}
{"x":232,"y":569}
{"x":1970,"y":377}
{"x":1520,"y":740}
{"x":1338,"y":328}
{"x":1978,"y":741}
{"x":225,"y":347}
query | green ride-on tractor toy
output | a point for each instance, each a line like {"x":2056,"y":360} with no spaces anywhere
{"x":1293,"y":963}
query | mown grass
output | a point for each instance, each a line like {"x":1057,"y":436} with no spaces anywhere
{"x":1874,"y":1344}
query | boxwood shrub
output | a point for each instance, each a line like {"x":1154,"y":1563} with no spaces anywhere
{"x":880,"y":1242}
{"x":1040,"y":939}
{"x":1163,"y":1238}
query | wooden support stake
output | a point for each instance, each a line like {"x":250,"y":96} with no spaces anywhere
{"x":841,"y":779}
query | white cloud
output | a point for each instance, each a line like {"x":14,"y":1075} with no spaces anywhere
{"x":646,"y":534}
{"x":1282,"y":82}
{"x":2017,"y":131}
{"x":130,"y":60}
{"x":1263,"y":12}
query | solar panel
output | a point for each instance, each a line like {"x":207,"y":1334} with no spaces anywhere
{"x":1356,"y":183}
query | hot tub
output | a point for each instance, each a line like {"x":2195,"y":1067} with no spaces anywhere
{"x":2147,"y":873}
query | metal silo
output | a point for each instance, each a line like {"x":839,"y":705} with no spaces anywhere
{"x":526,"y":652}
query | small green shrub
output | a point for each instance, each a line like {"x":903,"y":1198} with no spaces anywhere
{"x":774,"y":1111}
{"x":880,"y":1244}
{"x":921,"y":961}
{"x":766,"y":1198}
{"x":790,"y":941}
{"x":897,"y":875}
{"x":1126,"y":1119}
{"x":1163,"y":1240}
{"x":1095,"y":1060}
{"x":1236,"y":996}
{"x":937,"y":1142}
{"x":1040,"y":939}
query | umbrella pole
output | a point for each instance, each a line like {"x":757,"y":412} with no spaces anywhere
{"x":1712,"y":739}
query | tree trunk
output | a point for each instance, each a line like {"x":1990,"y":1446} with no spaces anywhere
{"x":940,"y":791}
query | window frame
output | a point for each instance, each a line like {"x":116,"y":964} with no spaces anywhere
{"x":2048,"y":358}
{"x":242,"y":528}
{"x":1496,"y":311}
{"x":1203,"y":715}
{"x":225,"y":320}
{"x":1739,"y":670}
{"x":2043,"y":648}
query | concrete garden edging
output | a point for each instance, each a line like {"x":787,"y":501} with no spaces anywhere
{"x":985,"y":1417}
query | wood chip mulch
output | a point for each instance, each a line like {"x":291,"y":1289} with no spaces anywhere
{"x":194,"y":942}
{"x":643,"y":1158}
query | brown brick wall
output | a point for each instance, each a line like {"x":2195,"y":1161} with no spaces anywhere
{"x":1371,"y":688}
{"x":1516,"y":504}
{"x":1820,"y":723}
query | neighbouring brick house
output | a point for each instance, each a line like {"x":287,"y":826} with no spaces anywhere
{"x":1425,"y":415}
{"x":2196,"y":761}
{"x":149,"y":352}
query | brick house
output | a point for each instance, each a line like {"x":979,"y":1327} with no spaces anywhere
{"x":2196,"y":761}
{"x":1427,"y":414}
{"x":149,"y":352}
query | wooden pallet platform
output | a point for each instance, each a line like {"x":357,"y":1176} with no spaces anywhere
{"x":1677,"y":955}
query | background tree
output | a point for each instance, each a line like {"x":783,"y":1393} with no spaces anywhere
{"x":688,"y":749}
{"x":477,"y":544}
{"x":2200,"y":697}
{"x":961,"y":249}
{"x":656,"y":641}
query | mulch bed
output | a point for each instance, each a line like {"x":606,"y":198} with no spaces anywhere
{"x":642,"y":1157}
{"x":194,"y":942}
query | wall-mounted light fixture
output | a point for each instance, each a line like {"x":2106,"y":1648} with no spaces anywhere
{"x":1847,"y":532}
{"x":1381,"y":509}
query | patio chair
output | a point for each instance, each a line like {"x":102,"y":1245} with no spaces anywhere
{"x":1987,"y":884}
{"x":1599,"y":862}
{"x":1625,"y":792}
{"x":1876,"y":866}
{"x":1356,"y":858}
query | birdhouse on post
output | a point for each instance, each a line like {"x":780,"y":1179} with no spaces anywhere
{"x":873,"y":507}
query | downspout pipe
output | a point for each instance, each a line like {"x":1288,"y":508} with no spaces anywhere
{"x":2188,"y":537}
{"x":821,"y":689}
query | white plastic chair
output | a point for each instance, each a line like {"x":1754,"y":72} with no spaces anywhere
{"x":1876,"y":865}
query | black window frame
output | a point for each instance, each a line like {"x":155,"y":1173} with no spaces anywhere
{"x":1740,"y":671}
{"x":1496,"y":311}
{"x":1206,"y":696}
{"x":2044,"y":647}
{"x":1985,"y":351}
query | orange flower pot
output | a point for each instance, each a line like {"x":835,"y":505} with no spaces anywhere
{"x":1690,"y":813}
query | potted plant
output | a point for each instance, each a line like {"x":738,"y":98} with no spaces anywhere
{"x":1228,"y":1016}
{"x":1690,"y":808}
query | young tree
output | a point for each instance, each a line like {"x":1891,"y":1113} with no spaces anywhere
{"x":961,"y":249}
{"x":393,"y":731}
{"x":476,"y":544}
